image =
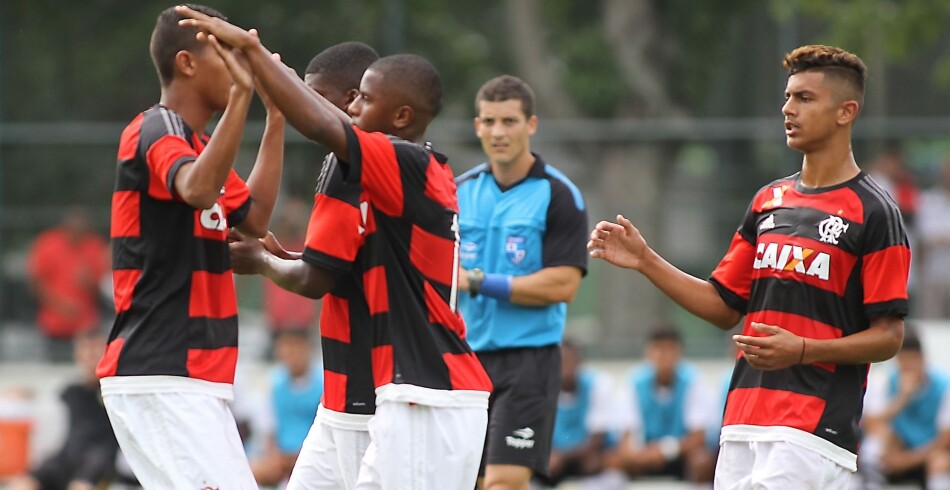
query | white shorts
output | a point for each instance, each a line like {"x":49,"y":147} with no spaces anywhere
{"x":761,"y":465}
{"x":420,"y":447}
{"x":179,"y":440}
{"x":330,"y":457}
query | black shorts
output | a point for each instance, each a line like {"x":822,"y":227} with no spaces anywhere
{"x":522,"y":406}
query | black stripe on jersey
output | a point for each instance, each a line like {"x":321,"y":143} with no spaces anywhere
{"x":891,"y":212}
{"x":172,"y":122}
{"x":335,"y":355}
{"x":173,"y":171}
{"x":427,"y":214}
{"x":327,"y":171}
{"x":324,"y":261}
{"x":733,"y":300}
{"x":212,"y":333}
{"x":809,"y":301}
{"x":218,"y":260}
{"x":131,"y":175}
{"x":128,"y":253}
{"x":802,"y":379}
{"x":799,"y":217}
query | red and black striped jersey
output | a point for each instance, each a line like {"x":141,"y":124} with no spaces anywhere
{"x":334,"y":241}
{"x":175,"y":303}
{"x":821,"y":263}
{"x":409,"y":272}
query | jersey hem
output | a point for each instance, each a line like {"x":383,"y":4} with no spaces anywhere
{"x":431,"y":397}
{"x":141,"y":385}
{"x":757,"y":433}
{"x":342,"y":420}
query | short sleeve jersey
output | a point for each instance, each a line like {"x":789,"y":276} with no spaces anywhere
{"x":821,"y":263}
{"x":335,"y":238}
{"x":410,"y":276}
{"x":539,"y":222}
{"x":175,"y":303}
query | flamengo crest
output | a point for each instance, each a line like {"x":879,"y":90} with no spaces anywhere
{"x":831,"y":228}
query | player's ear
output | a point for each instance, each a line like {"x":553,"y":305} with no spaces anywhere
{"x":185,"y":63}
{"x":404,"y":116}
{"x":848,"y":111}
{"x":532,"y":125}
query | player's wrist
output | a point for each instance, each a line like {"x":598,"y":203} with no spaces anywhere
{"x":497,"y":286}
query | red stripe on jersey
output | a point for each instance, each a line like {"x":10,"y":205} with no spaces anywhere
{"x":380,"y":172}
{"x":803,"y":260}
{"x":161,"y":156}
{"x":880,"y":274}
{"x":382,"y":365}
{"x":466,"y":372}
{"x":334,"y":218}
{"x":211,"y":223}
{"x":334,"y":391}
{"x":335,"y":318}
{"x":433,"y":255}
{"x":212,"y":295}
{"x":375,"y":288}
{"x":440,"y":184}
{"x":440,"y":313}
{"x":797,"y":324}
{"x":124,"y":281}
{"x":765,"y":407}
{"x":125,"y":214}
{"x":843,"y":202}
{"x":129,"y":143}
{"x":110,"y":359}
{"x":236,"y":193}
{"x":734,"y":269}
{"x":215,"y":365}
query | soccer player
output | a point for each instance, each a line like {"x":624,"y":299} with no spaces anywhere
{"x":431,"y":391}
{"x":168,"y":369}
{"x":334,"y":447}
{"x":523,"y":227}
{"x":819,"y":268}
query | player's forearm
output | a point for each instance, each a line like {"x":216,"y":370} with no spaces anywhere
{"x":308,"y":112}
{"x":696,"y":295}
{"x":297,"y":276}
{"x":879,"y":342}
{"x":264,"y":181}
{"x":200,"y":183}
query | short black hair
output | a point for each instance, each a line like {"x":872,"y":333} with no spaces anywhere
{"x":507,"y":87}
{"x":168,"y":38}
{"x":344,"y":63}
{"x":833,"y":62}
{"x":665,"y":333}
{"x":416,"y":77}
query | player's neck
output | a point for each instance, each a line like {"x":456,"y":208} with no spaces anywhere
{"x":512,"y":172}
{"x":829,"y":166}
{"x":188,"y":105}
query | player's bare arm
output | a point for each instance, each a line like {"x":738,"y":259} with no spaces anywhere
{"x":621,"y":244}
{"x":250,"y":256}
{"x":264,"y":181}
{"x":778,"y":348}
{"x":199,"y":183}
{"x":547,"y":286}
{"x":312,"y":115}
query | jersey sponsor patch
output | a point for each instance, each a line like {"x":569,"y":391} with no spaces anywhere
{"x":792,"y":258}
{"x":515,"y":249}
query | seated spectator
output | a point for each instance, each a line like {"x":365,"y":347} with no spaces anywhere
{"x":583,"y":422}
{"x":907,"y":424}
{"x":66,"y":265}
{"x":933,"y":228}
{"x":87,"y":456}
{"x":296,"y":388}
{"x":665,"y":412}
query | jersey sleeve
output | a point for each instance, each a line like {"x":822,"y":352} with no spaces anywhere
{"x":732,"y":278}
{"x":886,"y":263}
{"x":164,"y":158}
{"x":236,"y":200}
{"x":336,"y":221}
{"x":565,"y":239}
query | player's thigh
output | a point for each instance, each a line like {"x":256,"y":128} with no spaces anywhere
{"x":407,"y":439}
{"x":180,"y":440}
{"x":329,"y":459}
{"x":776,"y":466}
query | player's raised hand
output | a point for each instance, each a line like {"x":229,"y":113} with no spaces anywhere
{"x":226,"y":32}
{"x":272,"y":109}
{"x":234,"y":60}
{"x":619,"y":243}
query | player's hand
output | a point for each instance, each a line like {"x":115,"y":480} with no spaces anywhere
{"x":776,"y":349}
{"x":226,"y":32}
{"x":234,"y":60}
{"x":273,"y":246}
{"x":247,"y":253}
{"x":463,"y":279}
{"x":619,"y":243}
{"x":273,"y":111}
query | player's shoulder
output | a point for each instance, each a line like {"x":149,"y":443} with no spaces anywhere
{"x":561,"y":185}
{"x":472,"y":174}
{"x":160,"y":121}
{"x":873,"y":196}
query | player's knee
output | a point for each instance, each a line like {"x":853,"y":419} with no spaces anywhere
{"x":938,"y":463}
